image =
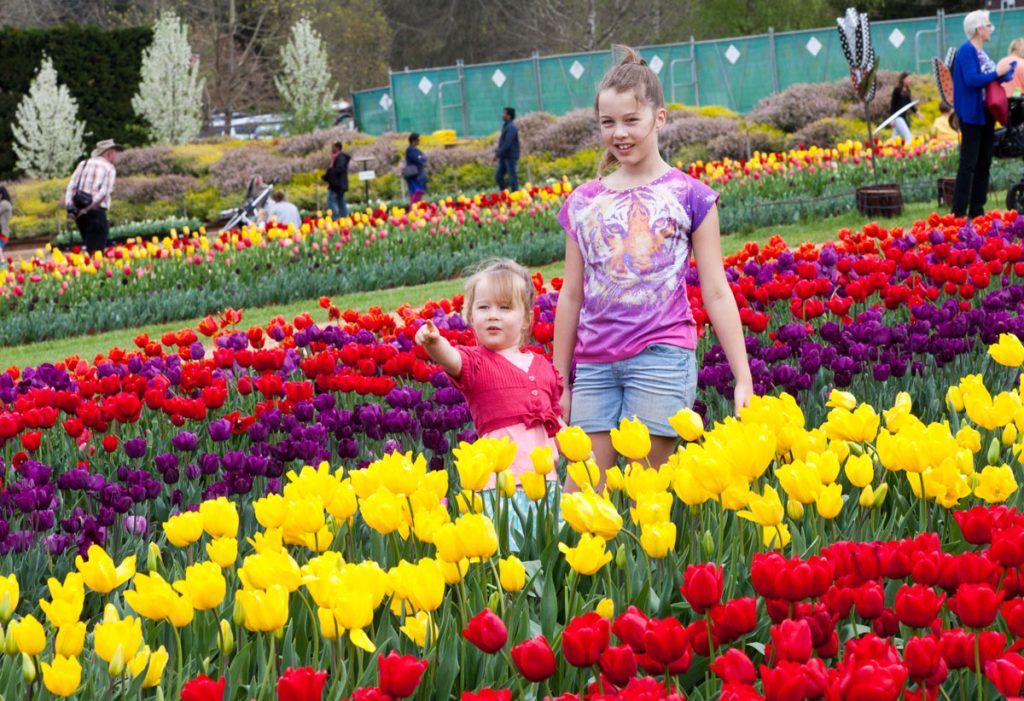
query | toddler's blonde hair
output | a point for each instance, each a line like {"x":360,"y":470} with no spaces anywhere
{"x":510,"y":283}
{"x":630,"y":74}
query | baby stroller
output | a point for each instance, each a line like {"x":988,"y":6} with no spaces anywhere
{"x":1009,"y":143}
{"x":256,"y":196}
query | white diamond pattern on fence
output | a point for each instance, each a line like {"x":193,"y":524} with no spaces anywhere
{"x":577,"y":70}
{"x":896,"y":38}
{"x":498,"y":78}
{"x":656,"y":64}
{"x":813,"y":46}
{"x":425,"y":85}
{"x":385,"y":102}
{"x":732,"y":54}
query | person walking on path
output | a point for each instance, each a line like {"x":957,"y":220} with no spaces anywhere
{"x":508,"y":151}
{"x":415,"y":169}
{"x":901,"y":97}
{"x":973,"y":70}
{"x":336,"y":178}
{"x":87,"y":197}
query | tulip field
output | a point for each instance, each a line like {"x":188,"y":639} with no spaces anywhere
{"x":298,"y":510}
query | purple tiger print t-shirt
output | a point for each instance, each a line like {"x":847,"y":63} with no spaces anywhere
{"x":636,"y":251}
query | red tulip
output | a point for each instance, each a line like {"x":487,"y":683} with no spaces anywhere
{"x":487,"y":695}
{"x":584,"y":639}
{"x":784,"y":681}
{"x":791,"y":641}
{"x":734,"y":667}
{"x":1007,"y":674}
{"x":534,"y":659}
{"x":618,"y":663}
{"x":976,"y":605}
{"x":487,"y":631}
{"x":665,"y":639}
{"x":629,"y":627}
{"x":399,"y":675}
{"x":702,"y":586}
{"x":302,"y":684}
{"x":202,"y":688}
{"x":1008,"y":546}
{"x":370,"y":693}
{"x":917,"y":606}
{"x":923,"y":659}
{"x":734,"y":691}
{"x":871,"y":679}
{"x":869,"y":599}
{"x":1013,"y":614}
{"x":733,"y":619}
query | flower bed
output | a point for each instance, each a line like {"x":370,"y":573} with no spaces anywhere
{"x":301,"y":488}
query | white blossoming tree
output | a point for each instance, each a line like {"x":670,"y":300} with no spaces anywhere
{"x":305,"y":83}
{"x":171,"y":91}
{"x":47,"y":132}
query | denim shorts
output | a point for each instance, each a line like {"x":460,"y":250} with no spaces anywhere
{"x":652,"y":386}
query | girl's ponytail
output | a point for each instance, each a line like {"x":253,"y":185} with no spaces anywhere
{"x":631,"y":73}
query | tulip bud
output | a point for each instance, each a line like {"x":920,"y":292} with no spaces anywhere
{"x":707,"y":545}
{"x":28,"y":669}
{"x":159,"y":693}
{"x":880,"y":493}
{"x":606,"y":609}
{"x":867,"y":497}
{"x":994,"y":452}
{"x":153,"y":558}
{"x":1009,"y":435}
{"x":6,"y":610}
{"x":116,"y":666}
{"x":620,"y":556}
{"x":227,"y":638}
{"x":494,"y":600}
{"x":506,"y":482}
{"x":238,"y":614}
{"x":794,"y":509}
{"x":10,"y":644}
{"x":279,"y":634}
{"x":856,"y":448}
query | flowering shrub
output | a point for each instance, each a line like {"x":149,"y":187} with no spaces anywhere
{"x":796,"y":107}
{"x":572,"y":132}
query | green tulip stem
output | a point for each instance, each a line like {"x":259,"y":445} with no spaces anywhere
{"x":977,"y":665}
{"x":335,"y":665}
{"x":518,"y":677}
{"x":266,"y":684}
{"x":222,"y":657}
{"x":497,"y":583}
{"x":178,"y":661}
{"x":721,"y":531}
{"x":313,"y":622}
{"x":609,"y":585}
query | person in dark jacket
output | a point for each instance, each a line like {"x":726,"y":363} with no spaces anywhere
{"x":415,"y":170}
{"x":973,"y":70}
{"x":336,"y":178}
{"x":508,"y":151}
{"x":901,"y":98}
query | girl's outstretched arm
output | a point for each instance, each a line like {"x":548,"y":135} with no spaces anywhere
{"x":721,"y":305}
{"x":439,"y":349}
{"x":567,"y":317}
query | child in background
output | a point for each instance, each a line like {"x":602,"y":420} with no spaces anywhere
{"x":623,"y":316}
{"x":511,"y":393}
{"x":942,"y":126}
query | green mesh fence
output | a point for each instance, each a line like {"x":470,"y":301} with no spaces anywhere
{"x":736,"y":73}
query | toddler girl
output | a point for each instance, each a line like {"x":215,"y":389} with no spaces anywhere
{"x":623,"y":317}
{"x":511,"y":393}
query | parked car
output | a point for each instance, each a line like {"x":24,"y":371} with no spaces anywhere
{"x":268,"y":126}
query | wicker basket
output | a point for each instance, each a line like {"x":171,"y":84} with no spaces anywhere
{"x":946,"y":188}
{"x":880,"y":200}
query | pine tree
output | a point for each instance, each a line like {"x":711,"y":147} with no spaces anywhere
{"x":47,"y":131}
{"x":171,"y":91}
{"x":305,"y":84}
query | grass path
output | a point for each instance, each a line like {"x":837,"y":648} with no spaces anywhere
{"x":817,"y":231}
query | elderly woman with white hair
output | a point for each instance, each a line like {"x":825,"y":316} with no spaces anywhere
{"x":973,"y":70}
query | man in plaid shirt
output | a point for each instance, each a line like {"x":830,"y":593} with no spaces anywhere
{"x":94,"y":176}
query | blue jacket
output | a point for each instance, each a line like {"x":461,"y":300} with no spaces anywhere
{"x":969,"y":83}
{"x":508,"y":142}
{"x":415,"y":157}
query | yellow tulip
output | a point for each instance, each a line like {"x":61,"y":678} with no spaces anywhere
{"x":614,"y":480}
{"x":605,"y":608}
{"x":70,"y":639}
{"x":204,"y":585}
{"x":652,"y":507}
{"x":386,"y":512}
{"x":800,"y":481}
{"x":631,"y":439}
{"x":995,"y":484}
{"x":830,"y":501}
{"x":455,"y":571}
{"x":469,"y":502}
{"x":262,"y":570}
{"x":589,"y":555}
{"x":954,"y":399}
{"x":543,"y":459}
{"x":425,"y":522}
{"x":584,"y":474}
{"x":220,"y":517}
{"x":860,"y":470}
{"x":776,"y":537}
{"x":152,"y":662}
{"x":867,"y":497}
{"x":114,"y":633}
{"x":29,"y":636}
{"x":574,"y":443}
{"x":640,"y":480}
{"x":63,"y":676}
{"x":399,"y":472}
{"x":265,"y":611}
{"x":688,"y":424}
{"x":860,"y":425}
{"x":223,"y":551}
{"x":1009,"y":435}
{"x":99,"y":572}
{"x":10,"y":592}
{"x":657,"y":539}
{"x":511,"y":573}
{"x":477,"y":536}
{"x":422,"y":584}
{"x":184,"y":529}
{"x":587,"y":512}
{"x":794,"y":509}
{"x":155,"y":599}
{"x":418,"y":626}
{"x":765,"y":510}
{"x":270,"y":511}
{"x":448,"y":544}
{"x":837,"y":399}
{"x":1008,"y":351}
{"x":506,"y":483}
{"x":534,"y":485}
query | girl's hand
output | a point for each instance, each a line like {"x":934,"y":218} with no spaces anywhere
{"x":565,"y":401}
{"x":427,"y":335}
{"x":741,"y":396}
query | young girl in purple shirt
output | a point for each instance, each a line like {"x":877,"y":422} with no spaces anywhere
{"x":623,"y":317}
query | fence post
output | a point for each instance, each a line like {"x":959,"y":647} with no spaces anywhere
{"x":462,"y":95}
{"x":393,"y":117}
{"x":693,"y":71}
{"x":940,"y":17}
{"x":537,"y":81}
{"x":771,"y":60}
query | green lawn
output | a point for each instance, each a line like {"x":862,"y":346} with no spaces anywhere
{"x":817,"y":231}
